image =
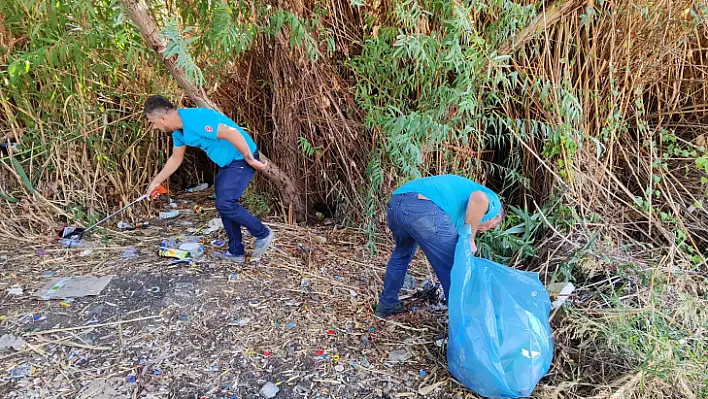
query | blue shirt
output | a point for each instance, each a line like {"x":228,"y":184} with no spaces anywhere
{"x":199,"y":126}
{"x":451,"y":193}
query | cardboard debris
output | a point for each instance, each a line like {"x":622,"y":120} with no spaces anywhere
{"x":72,"y":287}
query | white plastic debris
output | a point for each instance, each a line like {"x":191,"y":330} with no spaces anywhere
{"x":14,"y":291}
{"x":11,"y":341}
{"x":269,"y":390}
{"x":562,"y":295}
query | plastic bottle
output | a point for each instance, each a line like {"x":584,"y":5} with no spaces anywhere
{"x":199,"y":187}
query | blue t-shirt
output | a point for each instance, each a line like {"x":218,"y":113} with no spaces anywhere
{"x":451,"y":193}
{"x":199,"y":127}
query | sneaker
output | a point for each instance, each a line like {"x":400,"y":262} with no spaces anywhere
{"x":383,"y":311}
{"x":238,"y":259}
{"x":262,"y":245}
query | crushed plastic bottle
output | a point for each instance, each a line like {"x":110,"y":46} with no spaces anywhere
{"x":199,"y":187}
{"x":194,"y":249}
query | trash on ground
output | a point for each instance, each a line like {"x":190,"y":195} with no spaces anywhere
{"x":21,"y":371}
{"x":561,"y":291}
{"x":399,"y":355}
{"x":169,"y":214}
{"x":14,"y":291}
{"x":269,"y":390}
{"x":303,"y":248}
{"x":73,"y":243}
{"x":86,"y":252}
{"x":125,"y":226}
{"x":72,"y":287}
{"x":409,"y":283}
{"x":199,"y":187}
{"x":130,"y":253}
{"x":510,"y":308}
{"x":173,"y":253}
{"x":218,"y":243}
{"x":194,"y":249}
{"x":214,"y":225}
{"x":339,"y":368}
{"x":11,"y":341}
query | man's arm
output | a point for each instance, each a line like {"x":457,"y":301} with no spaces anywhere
{"x":234,"y":137}
{"x":170,"y":167}
{"x":476,"y":209}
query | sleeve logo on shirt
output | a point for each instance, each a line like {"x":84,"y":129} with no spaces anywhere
{"x":208,"y":129}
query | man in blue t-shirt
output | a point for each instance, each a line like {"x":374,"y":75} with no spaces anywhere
{"x":430,"y":213}
{"x":228,"y":146}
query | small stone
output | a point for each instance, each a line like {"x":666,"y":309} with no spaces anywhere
{"x":269,"y":390}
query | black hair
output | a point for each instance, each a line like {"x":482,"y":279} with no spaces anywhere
{"x":157,"y":103}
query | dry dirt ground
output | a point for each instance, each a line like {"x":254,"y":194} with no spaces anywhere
{"x":301,"y":319}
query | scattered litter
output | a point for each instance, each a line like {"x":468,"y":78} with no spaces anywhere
{"x":440,"y":342}
{"x":304,"y":285}
{"x":240,"y":322}
{"x":48,"y":274}
{"x":172,"y":253}
{"x":199,"y":187}
{"x":331,"y":332}
{"x":399,"y":355}
{"x":178,"y":261}
{"x":339,"y":368}
{"x":422,"y":373}
{"x":561,"y":291}
{"x":215,"y":367}
{"x":86,"y":252}
{"x":42,"y":253}
{"x":72,"y":243}
{"x":14,"y":291}
{"x":320,"y":352}
{"x":266,"y":354}
{"x":409,"y":283}
{"x":233,"y":277}
{"x":335,"y":357}
{"x":214,"y":225}
{"x":131,"y":379}
{"x":11,"y":341}
{"x":303,"y":248}
{"x":269,"y":390}
{"x":169,"y":214}
{"x":194,"y":249}
{"x":72,"y":287}
{"x":291,"y":325}
{"x":218,"y":243}
{"x":21,"y":371}
{"x":64,"y":304}
{"x":130,"y":253}
{"x":187,"y":211}
{"x":125,"y":226}
{"x":184,"y":318}
{"x":142,"y":225}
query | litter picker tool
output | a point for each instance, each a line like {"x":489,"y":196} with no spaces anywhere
{"x":77,"y":233}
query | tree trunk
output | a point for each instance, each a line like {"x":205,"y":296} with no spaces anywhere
{"x":142,"y":17}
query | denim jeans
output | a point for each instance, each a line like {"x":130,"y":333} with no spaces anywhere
{"x":231,"y":182}
{"x":416,"y":222}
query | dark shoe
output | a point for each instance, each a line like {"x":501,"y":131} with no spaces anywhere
{"x":383,"y":311}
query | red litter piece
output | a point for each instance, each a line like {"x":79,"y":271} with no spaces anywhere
{"x":330,"y":332}
{"x":266,"y":353}
{"x":320,"y":352}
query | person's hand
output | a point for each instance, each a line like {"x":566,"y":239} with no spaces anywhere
{"x":258,"y":165}
{"x":152,"y":191}
{"x":473,"y":245}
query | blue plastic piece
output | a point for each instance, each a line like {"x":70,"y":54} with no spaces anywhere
{"x":500,"y":342}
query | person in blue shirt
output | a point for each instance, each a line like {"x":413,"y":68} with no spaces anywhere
{"x":230,"y":147}
{"x":431,"y":212}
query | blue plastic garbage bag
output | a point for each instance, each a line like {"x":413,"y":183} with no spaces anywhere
{"x":500,"y":342}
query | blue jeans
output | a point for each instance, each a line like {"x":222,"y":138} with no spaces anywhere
{"x":231,"y":182}
{"x":416,"y":222}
